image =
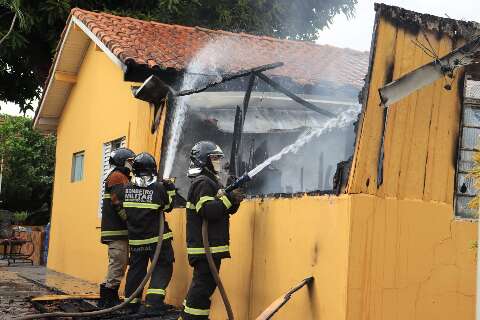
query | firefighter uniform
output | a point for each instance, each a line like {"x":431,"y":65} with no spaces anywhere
{"x":114,"y":233}
{"x":203,"y":203}
{"x":143,"y":205}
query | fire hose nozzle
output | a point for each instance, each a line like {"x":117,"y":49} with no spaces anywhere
{"x":238,"y":183}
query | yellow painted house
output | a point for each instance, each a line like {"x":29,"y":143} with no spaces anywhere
{"x":386,"y":235}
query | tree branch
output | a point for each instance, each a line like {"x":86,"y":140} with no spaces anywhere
{"x":9,"y":30}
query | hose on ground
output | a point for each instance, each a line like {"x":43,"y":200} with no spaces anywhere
{"x":138,"y":291}
{"x":214,"y":271}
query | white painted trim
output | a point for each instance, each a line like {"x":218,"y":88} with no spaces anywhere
{"x":52,"y":75}
{"x":92,"y":37}
{"x":99,"y":43}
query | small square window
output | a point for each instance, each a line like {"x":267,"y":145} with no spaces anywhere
{"x":77,"y":166}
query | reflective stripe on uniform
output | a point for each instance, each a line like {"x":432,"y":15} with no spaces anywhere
{"x":156,"y":291}
{"x":135,"y":300}
{"x":217,"y":249}
{"x":141,"y":205}
{"x":106,"y":196}
{"x":226,"y":201}
{"x":190,"y":206}
{"x":166,"y":236}
{"x":202,"y":200}
{"x":171,"y":194}
{"x":114,"y":233}
{"x":195,"y":311}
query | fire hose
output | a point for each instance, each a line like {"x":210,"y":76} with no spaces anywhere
{"x":214,"y":271}
{"x":138,"y":291}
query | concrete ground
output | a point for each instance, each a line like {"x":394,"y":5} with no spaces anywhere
{"x":19,"y":283}
{"x":15,"y":292}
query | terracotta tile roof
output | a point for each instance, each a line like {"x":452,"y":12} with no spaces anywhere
{"x":165,"y":46}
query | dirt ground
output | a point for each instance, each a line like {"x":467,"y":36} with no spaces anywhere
{"x":15,"y":292}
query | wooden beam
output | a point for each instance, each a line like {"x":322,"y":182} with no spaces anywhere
{"x":48,"y":121}
{"x":294,"y":97}
{"x":65,"y":77}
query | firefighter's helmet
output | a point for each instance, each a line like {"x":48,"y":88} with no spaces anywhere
{"x":200,"y":156}
{"x":144,"y":165}
{"x":119,"y":156}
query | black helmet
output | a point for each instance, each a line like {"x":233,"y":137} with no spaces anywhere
{"x":119,"y":156}
{"x":144,"y":165}
{"x":201,"y":152}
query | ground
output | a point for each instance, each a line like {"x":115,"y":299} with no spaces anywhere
{"x":15,"y":292}
{"x":20,"y":283}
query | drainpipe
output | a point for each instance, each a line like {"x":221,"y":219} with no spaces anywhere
{"x":1,"y":172}
{"x":478,"y":268}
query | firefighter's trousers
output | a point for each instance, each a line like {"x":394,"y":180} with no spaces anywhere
{"x":197,"y":303}
{"x":117,"y":263}
{"x":139,"y":258}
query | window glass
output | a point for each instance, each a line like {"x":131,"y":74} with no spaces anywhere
{"x":77,"y":166}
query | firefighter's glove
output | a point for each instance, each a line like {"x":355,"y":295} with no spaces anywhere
{"x":237,"y":196}
{"x":220,"y":193}
{"x":168,"y":184}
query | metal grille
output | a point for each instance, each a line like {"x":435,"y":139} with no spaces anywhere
{"x":472,"y":91}
{"x":465,"y":190}
{"x":107,"y":149}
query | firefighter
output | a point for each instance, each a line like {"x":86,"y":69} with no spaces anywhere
{"x":143,"y":200}
{"x":206,"y":200}
{"x":114,"y":229}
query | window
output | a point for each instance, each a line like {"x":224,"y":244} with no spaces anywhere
{"x":273,"y":121}
{"x":77,"y":166}
{"x":108,"y":147}
{"x":465,"y":190}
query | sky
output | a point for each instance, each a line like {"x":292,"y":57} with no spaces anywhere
{"x":356,"y":33}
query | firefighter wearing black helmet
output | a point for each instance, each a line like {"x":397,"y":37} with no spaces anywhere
{"x":113,"y":228}
{"x":206,"y":202}
{"x":144,"y":199}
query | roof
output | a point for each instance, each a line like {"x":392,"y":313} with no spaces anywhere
{"x":164,"y":46}
{"x":157,"y":47}
{"x":415,"y":21}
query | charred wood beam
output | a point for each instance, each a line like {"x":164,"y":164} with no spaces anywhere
{"x":293,"y":96}
{"x":230,"y":76}
{"x":237,"y":132}
{"x":246,"y":101}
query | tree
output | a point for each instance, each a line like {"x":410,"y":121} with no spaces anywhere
{"x":28,"y":165}
{"x":23,"y":70}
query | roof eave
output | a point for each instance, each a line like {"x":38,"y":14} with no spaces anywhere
{"x":46,"y":119}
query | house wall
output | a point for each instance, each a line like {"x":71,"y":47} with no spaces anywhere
{"x":276,"y":243}
{"x":409,"y":258}
{"x":100,"y":109}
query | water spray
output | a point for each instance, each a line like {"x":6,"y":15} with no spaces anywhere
{"x":339,"y":121}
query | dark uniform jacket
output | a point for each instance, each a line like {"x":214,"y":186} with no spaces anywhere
{"x":143,"y":207}
{"x":203,"y":203}
{"x":113,"y":226}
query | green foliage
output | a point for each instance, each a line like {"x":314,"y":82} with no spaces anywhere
{"x":28,"y":165}
{"x":20,"y":216}
{"x":26,"y":57}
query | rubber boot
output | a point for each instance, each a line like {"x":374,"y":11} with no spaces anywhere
{"x":103,"y":296}
{"x":154,"y":310}
{"x":114,"y":296}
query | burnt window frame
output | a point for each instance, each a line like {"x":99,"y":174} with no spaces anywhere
{"x":470,"y":103}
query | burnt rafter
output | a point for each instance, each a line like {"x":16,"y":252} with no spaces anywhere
{"x":230,"y":76}
{"x":293,"y":96}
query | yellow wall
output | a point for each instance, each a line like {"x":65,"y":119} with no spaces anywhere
{"x":422,"y":129}
{"x":410,"y":259}
{"x":100,"y":109}
{"x":276,"y":243}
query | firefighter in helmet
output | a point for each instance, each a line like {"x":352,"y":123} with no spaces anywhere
{"x":113,"y":228}
{"x":144,"y":199}
{"x":206,"y":200}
